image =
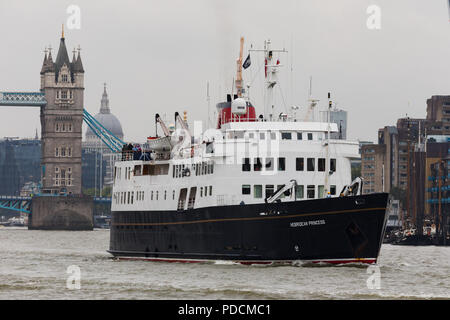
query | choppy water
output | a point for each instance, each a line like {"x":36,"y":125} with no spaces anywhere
{"x":33,"y":265}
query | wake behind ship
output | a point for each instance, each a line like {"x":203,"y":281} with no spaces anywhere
{"x":272,"y":188}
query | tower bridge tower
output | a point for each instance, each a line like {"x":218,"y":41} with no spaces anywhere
{"x":62,"y":82}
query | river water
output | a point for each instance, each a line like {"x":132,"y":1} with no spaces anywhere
{"x":34,"y":265}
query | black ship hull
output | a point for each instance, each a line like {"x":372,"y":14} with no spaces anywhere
{"x":334,"y":230}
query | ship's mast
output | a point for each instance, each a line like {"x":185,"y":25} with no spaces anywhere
{"x":238,"y":82}
{"x":327,"y":161}
{"x":271,"y":69}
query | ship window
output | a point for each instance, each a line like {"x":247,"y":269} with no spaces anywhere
{"x":129,"y":196}
{"x":182,"y":198}
{"x":165,"y":194}
{"x":273,"y":136}
{"x":262,"y":135}
{"x":321,"y":164}
{"x":333,"y":165}
{"x":246,"y":164}
{"x":310,"y":192}
{"x":257,"y":191}
{"x":299,"y":136}
{"x":238,"y":134}
{"x":210,"y":190}
{"x":310,"y":136}
{"x":246,"y":189}
{"x":137,"y":170}
{"x":257,"y":164}
{"x":173,"y":170}
{"x":299,"y":164}
{"x":201,"y":191}
{"x":157,"y":195}
{"x":281,"y":164}
{"x":333,"y":190}
{"x":173,"y":195}
{"x":286,"y":136}
{"x":192,"y":194}
{"x":279,"y":187}
{"x":269,"y":190}
{"x":320,"y":191}
{"x":299,"y":192}
{"x":311,"y":164}
{"x":269,"y":164}
{"x":132,"y":197}
{"x":151,"y":196}
{"x":251,"y":135}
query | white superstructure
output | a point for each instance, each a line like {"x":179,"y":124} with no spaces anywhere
{"x":244,"y":161}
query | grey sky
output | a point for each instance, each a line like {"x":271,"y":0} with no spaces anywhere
{"x":157,"y":56}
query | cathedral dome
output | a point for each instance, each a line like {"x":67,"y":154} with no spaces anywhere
{"x":107,"y":119}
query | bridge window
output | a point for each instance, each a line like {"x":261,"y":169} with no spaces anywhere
{"x":333,"y":190}
{"x":257,"y":165}
{"x":281,"y":164}
{"x":310,"y":136}
{"x":246,"y":189}
{"x":299,"y":192}
{"x":201,"y":191}
{"x":257,"y":191}
{"x":269,"y":164}
{"x":246,"y":164}
{"x":310,"y":192}
{"x":321,"y":164}
{"x":286,"y":136}
{"x":279,"y":187}
{"x":210,"y":190}
{"x":333,"y":165}
{"x":299,"y":136}
{"x":321,"y":191}
{"x":311,"y":164}
{"x":299,"y":164}
{"x":269,"y":190}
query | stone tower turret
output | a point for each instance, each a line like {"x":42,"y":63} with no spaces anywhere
{"x":62,"y":82}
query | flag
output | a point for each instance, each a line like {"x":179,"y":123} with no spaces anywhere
{"x":247,"y":61}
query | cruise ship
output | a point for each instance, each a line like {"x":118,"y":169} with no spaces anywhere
{"x":255,"y":189}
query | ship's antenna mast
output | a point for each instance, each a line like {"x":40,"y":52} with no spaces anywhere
{"x":271,"y":76}
{"x":238,"y":82}
{"x":327,"y":163}
{"x":208,"y":100}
